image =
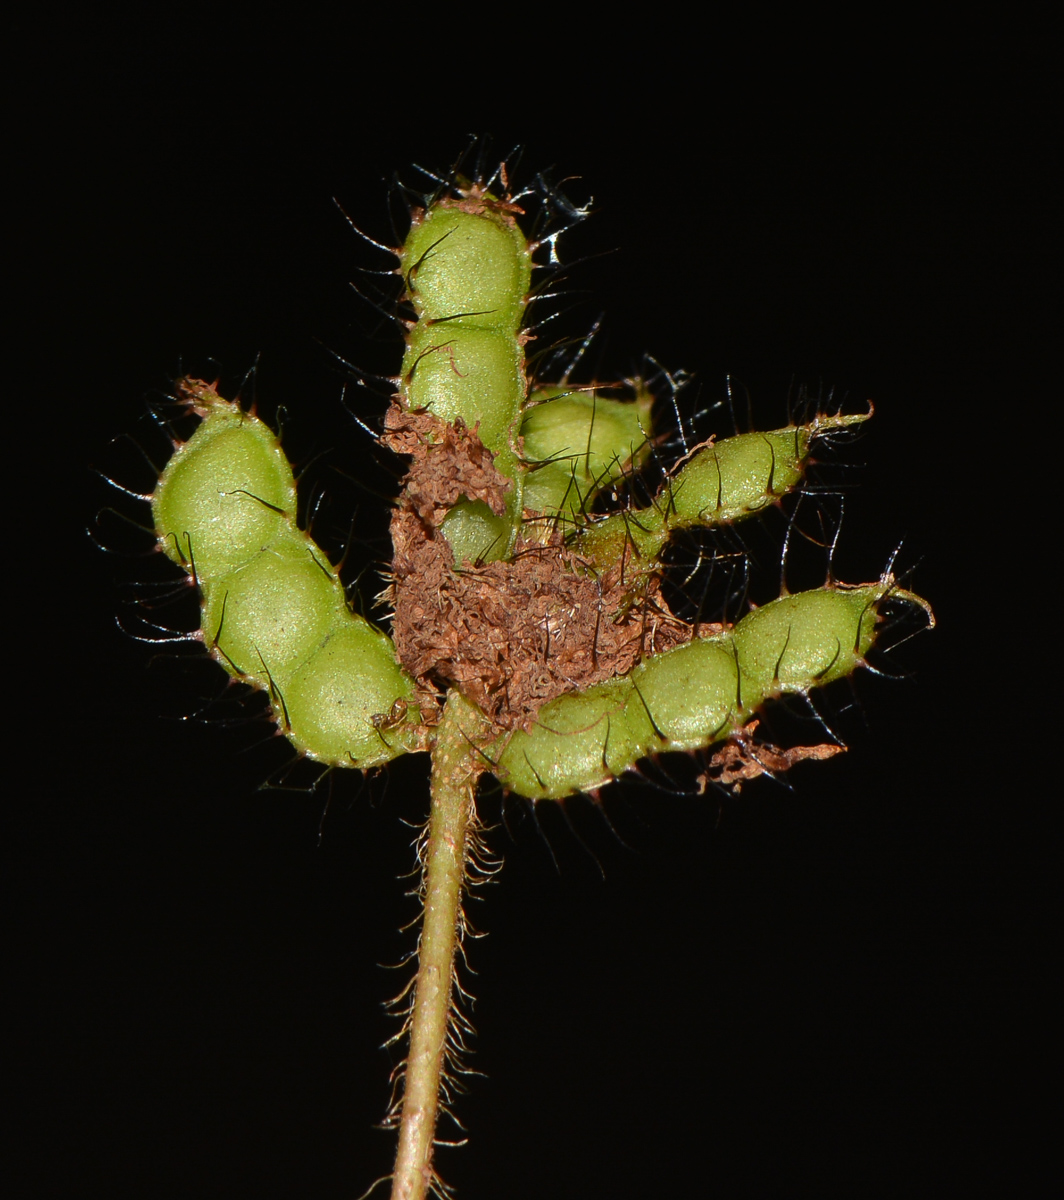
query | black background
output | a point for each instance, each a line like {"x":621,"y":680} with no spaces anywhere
{"x":839,"y":988}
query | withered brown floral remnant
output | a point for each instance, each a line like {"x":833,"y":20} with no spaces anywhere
{"x":511,"y":635}
{"x":450,"y":461}
{"x":744,"y":757}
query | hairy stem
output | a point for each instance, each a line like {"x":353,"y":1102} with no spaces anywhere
{"x":456,"y":766}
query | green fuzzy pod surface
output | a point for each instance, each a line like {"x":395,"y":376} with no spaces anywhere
{"x":694,"y":695}
{"x":468,"y":268}
{"x":274,"y":612}
{"x":577,"y":443}
{"x":718,"y":483}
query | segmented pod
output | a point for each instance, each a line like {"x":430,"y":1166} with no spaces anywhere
{"x":274,"y":612}
{"x":225,"y":493}
{"x":467,"y":268}
{"x":718,"y":483}
{"x":696,"y":694}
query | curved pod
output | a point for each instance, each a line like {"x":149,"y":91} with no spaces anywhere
{"x":274,"y":613}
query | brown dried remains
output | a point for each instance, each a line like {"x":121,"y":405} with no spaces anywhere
{"x":511,"y":635}
{"x":744,"y":757}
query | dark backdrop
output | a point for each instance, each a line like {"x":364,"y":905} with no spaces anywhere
{"x":838,"y":988}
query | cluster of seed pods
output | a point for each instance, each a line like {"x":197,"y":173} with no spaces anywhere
{"x":505,"y":584}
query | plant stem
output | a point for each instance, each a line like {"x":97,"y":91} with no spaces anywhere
{"x":456,"y":766}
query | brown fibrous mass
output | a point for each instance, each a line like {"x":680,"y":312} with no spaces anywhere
{"x":510,"y":635}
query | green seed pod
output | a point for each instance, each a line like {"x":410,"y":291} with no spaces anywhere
{"x":718,"y":483}
{"x":468,"y":268}
{"x":475,"y":533}
{"x":725,"y":481}
{"x":688,"y":697}
{"x":467,"y":257}
{"x":578,"y":743}
{"x":578,"y":442}
{"x":225,"y":493}
{"x":268,"y":616}
{"x":696,"y":694}
{"x":802,"y":641}
{"x":274,"y":613}
{"x":455,"y":369}
{"x":351,"y":704}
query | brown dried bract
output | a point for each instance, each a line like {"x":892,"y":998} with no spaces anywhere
{"x":476,"y":200}
{"x":450,"y":461}
{"x":200,"y":397}
{"x":744,"y":757}
{"x":511,"y":635}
